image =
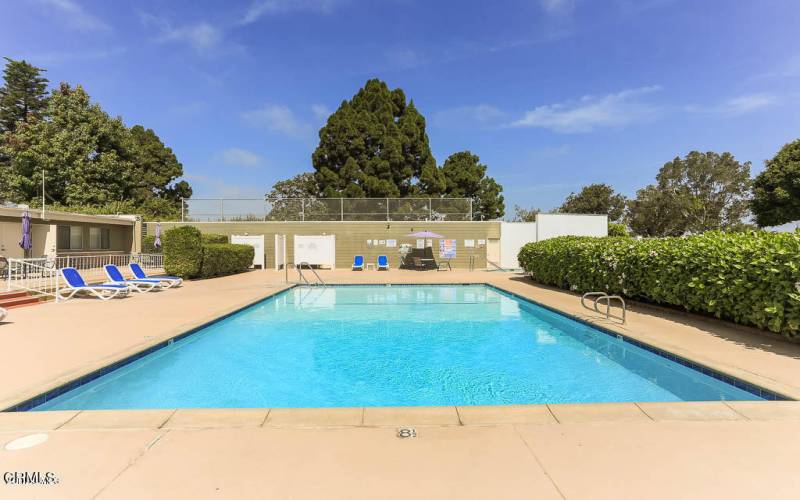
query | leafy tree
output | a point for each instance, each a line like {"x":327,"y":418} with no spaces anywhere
{"x":89,"y":159}
{"x":375,"y":145}
{"x":300,"y":186}
{"x":465,"y":177}
{"x":155,"y":170}
{"x":616,"y":229}
{"x":776,"y":190}
{"x":595,"y":199}
{"x":522,"y":214}
{"x":23,"y":94}
{"x":698,"y":193}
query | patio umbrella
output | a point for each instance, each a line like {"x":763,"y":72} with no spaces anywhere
{"x":25,"y":242}
{"x":157,"y":241}
{"x":424,"y":234}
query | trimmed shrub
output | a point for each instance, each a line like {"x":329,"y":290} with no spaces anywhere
{"x":214,"y":238}
{"x":147,"y":244}
{"x":749,"y":278}
{"x":183,"y":251}
{"x":221,"y":259}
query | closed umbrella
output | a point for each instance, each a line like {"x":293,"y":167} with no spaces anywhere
{"x":25,"y":242}
{"x":157,"y":241}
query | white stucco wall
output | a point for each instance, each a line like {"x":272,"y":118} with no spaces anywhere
{"x":513,"y":235}
{"x":553,"y":225}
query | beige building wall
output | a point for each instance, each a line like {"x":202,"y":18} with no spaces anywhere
{"x":351,"y":237}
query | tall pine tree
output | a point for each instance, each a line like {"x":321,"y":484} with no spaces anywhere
{"x":23,"y":94}
{"x":375,"y":145}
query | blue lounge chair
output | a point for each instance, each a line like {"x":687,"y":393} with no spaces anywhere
{"x":167,"y":281}
{"x":115,"y":276}
{"x":76,"y":284}
{"x":358,"y":263}
{"x":383,"y":263}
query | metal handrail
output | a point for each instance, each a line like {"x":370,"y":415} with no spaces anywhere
{"x":603,"y":296}
{"x":302,"y":276}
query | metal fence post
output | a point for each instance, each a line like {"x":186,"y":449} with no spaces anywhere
{"x":341,"y":202}
{"x":183,"y":208}
{"x":470,"y":209}
{"x":387,"y":210}
{"x":221,"y":209}
{"x":430,"y":208}
{"x":303,"y":209}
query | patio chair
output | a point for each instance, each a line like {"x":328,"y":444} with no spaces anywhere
{"x":3,"y":314}
{"x":76,"y":284}
{"x":140,"y":285}
{"x":166,"y":281}
{"x":441,"y":265}
{"x":358,"y":263}
{"x":383,"y":263}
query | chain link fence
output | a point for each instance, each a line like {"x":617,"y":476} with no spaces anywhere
{"x":327,"y":209}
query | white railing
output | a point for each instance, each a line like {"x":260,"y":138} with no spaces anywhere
{"x":41,"y":275}
{"x":32,"y":277}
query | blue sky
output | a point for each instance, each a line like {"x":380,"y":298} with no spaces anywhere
{"x":551,"y":94}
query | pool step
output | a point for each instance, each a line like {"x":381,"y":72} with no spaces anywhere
{"x":10,"y":300}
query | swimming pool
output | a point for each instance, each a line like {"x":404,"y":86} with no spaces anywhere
{"x":394,"y":346}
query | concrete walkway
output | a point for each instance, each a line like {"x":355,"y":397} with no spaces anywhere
{"x":655,"y":450}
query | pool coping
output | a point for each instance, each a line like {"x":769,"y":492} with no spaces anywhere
{"x":73,"y":380}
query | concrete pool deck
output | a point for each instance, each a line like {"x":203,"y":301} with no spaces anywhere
{"x":647,"y":450}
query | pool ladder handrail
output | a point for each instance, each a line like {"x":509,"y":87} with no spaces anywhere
{"x":603,"y":296}
{"x":299,"y":267}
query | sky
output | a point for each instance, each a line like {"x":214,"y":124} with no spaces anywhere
{"x":551,"y":94}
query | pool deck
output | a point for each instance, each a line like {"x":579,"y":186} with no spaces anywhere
{"x":646,"y":450}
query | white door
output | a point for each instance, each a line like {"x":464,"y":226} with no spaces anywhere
{"x":315,"y":250}
{"x":280,"y":251}
{"x":257,"y":242}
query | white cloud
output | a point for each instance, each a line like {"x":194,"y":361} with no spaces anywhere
{"x":278,"y":118}
{"x":238,"y":157}
{"x":57,"y":57}
{"x":203,"y":37}
{"x":321,"y":111}
{"x":261,"y":8}
{"x":590,"y":112}
{"x":737,"y":106}
{"x":557,"y":6}
{"x":468,"y":116}
{"x":75,"y":15}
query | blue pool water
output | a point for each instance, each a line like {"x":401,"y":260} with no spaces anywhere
{"x":394,"y":346}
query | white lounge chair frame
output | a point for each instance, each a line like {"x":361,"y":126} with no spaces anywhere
{"x":99,"y":291}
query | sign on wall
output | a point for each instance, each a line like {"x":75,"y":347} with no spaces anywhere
{"x":447,"y":249}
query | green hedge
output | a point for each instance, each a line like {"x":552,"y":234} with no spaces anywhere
{"x":220,"y":259}
{"x":214,"y":238}
{"x":188,"y":253}
{"x":183,"y":251}
{"x":749,"y":278}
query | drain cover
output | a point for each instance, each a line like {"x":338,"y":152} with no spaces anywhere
{"x":406,"y":432}
{"x":28,"y":441}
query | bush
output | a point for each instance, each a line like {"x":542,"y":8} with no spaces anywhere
{"x":615,"y":229}
{"x":183,"y":251}
{"x":221,"y":259}
{"x":749,"y":278}
{"x":214,"y":238}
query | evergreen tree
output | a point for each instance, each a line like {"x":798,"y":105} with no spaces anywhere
{"x":155,"y":169}
{"x":465,"y":177}
{"x":23,"y":94}
{"x":375,"y":145}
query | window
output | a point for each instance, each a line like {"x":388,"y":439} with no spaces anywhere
{"x":99,"y":238}
{"x":69,"y":237}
